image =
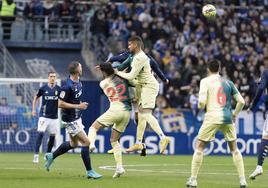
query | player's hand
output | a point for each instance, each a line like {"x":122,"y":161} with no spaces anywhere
{"x":34,"y":113}
{"x":248,"y":110}
{"x":115,"y":71}
{"x":83,"y":106}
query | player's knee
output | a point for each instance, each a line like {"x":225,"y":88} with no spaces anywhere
{"x":232,"y":146}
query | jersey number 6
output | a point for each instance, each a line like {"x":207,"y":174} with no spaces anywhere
{"x":221,"y":96}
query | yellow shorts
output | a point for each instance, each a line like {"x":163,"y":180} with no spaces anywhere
{"x":148,"y":96}
{"x":118,"y":120}
{"x":207,"y":131}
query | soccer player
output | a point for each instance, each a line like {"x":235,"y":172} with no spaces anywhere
{"x":125,"y":59}
{"x":70,"y":102}
{"x":117,"y":116}
{"x":148,"y":91}
{"x":264,"y":141}
{"x":48,"y":115}
{"x":216,"y":95}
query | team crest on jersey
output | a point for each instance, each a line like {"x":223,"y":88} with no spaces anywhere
{"x":62,"y":94}
{"x":56,"y":92}
{"x":46,"y":92}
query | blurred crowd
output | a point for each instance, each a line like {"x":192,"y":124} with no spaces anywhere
{"x":182,"y":41}
{"x":51,"y":14}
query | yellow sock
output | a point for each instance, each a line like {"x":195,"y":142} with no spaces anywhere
{"x":154,"y":125}
{"x":196,"y":163}
{"x":141,"y":127}
{"x":92,"y":133}
{"x":239,"y":163}
{"x":117,"y":153}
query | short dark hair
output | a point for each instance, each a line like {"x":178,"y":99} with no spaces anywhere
{"x":214,"y":65}
{"x":73,"y":67}
{"x":136,"y":39}
{"x":107,"y":68}
{"x":51,"y":72}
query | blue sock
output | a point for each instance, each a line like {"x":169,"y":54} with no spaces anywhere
{"x":262,"y":151}
{"x":38,"y":142}
{"x":50,"y":143}
{"x":63,"y":148}
{"x":86,"y":158}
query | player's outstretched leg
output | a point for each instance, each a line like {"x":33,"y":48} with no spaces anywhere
{"x":143,"y":151}
{"x":63,"y":148}
{"x":92,"y":133}
{"x":261,"y":156}
{"x":118,"y":159}
{"x":164,"y":141}
{"x":140,"y":131}
{"x":87,"y":163}
{"x":37,"y":146}
{"x":50,"y":143}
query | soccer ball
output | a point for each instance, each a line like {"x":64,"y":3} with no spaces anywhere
{"x":209,"y":11}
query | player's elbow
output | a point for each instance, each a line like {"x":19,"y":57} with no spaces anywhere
{"x":60,"y":104}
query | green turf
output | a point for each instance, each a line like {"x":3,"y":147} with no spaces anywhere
{"x":18,"y":171}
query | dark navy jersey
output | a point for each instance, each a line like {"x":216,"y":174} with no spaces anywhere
{"x":71,"y":93}
{"x":262,"y":86}
{"x":121,"y":57}
{"x":49,"y":108}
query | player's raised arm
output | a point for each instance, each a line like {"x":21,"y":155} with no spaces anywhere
{"x":155,"y":67}
{"x":261,"y":87}
{"x":124,"y":64}
{"x":120,"y":57}
{"x":202,"y":97}
{"x":137,"y":65}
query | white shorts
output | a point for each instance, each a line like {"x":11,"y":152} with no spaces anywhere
{"x":74,"y":127}
{"x":47,"y":124}
{"x":265,"y":127}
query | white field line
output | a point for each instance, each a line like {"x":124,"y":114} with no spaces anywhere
{"x":166,"y":171}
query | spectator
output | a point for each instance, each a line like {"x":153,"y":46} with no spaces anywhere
{"x":7,"y":13}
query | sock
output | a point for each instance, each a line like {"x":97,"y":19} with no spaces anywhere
{"x":92,"y":133}
{"x":50,"y":143}
{"x":86,"y":158}
{"x":38,"y":142}
{"x":141,"y":128}
{"x":154,"y":125}
{"x":63,"y":148}
{"x":117,"y":153}
{"x":262,"y":151}
{"x":196,"y":163}
{"x":239,"y":163}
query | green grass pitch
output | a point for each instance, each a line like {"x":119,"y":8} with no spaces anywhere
{"x":153,"y":171}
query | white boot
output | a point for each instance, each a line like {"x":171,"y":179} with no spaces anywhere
{"x":257,"y":172}
{"x":243,"y":183}
{"x":36,"y":158}
{"x":118,"y":172}
{"x":192,"y":182}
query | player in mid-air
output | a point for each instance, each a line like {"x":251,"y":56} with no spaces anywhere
{"x":48,"y":115}
{"x":125,"y":59}
{"x":216,"y":95}
{"x":264,"y":141}
{"x":118,"y":114}
{"x":71,"y":105}
{"x":148,"y":91}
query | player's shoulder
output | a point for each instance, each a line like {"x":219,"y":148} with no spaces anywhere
{"x":141,"y":56}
